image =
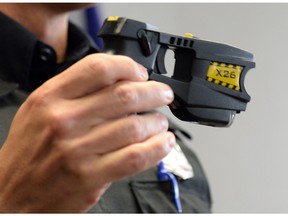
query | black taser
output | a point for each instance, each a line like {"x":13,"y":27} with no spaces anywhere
{"x":208,"y":77}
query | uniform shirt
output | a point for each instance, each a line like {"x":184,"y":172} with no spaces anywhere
{"x":26,"y":62}
{"x":29,"y":62}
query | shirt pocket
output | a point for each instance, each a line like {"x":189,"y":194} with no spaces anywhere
{"x":158,"y":197}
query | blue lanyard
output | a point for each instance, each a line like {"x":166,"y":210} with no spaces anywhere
{"x":164,"y":174}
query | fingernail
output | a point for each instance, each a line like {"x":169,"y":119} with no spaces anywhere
{"x":168,"y":94}
{"x":143,"y":72}
{"x":163,"y":121}
{"x":171,"y":140}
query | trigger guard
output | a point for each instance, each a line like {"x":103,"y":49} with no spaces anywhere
{"x":160,"y":66}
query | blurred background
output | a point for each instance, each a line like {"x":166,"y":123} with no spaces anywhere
{"x":247,"y":163}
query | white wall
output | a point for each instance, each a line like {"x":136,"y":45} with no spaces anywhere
{"x":247,"y":163}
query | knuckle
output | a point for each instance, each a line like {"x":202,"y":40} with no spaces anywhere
{"x":59,"y":122}
{"x":137,"y":161}
{"x":67,"y":158}
{"x":131,"y":67}
{"x":57,"y":119}
{"x":37,"y":99}
{"x":125,"y":96}
{"x":130,"y":63}
{"x":80,"y":172}
{"x":135,"y":129}
{"x":98,"y":66}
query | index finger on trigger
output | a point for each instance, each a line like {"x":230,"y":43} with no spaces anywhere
{"x":95,"y":72}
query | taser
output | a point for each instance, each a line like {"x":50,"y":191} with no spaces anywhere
{"x":208,"y":77}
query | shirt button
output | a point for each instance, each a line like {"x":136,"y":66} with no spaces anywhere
{"x":46,"y":54}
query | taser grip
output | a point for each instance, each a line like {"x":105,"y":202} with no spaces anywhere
{"x":208,"y":77}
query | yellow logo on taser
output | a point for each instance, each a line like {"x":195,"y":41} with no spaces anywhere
{"x":227,"y":75}
{"x":113,"y":18}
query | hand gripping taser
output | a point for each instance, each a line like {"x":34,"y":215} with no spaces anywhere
{"x":208,"y":77}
